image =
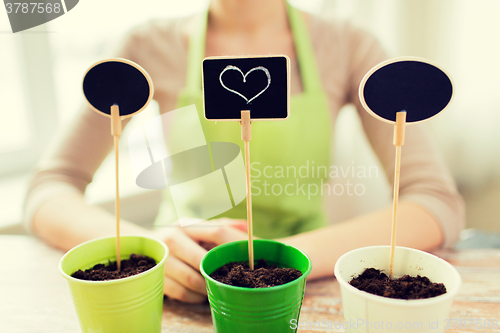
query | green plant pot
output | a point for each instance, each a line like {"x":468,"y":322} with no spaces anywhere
{"x":132,"y":304}
{"x":238,"y":309}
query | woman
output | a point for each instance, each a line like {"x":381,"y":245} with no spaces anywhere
{"x":328,"y":60}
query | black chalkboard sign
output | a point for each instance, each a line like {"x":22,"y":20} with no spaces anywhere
{"x":117,"y":82}
{"x":258,"y":84}
{"x":405,"y":84}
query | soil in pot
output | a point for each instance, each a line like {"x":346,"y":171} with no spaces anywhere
{"x":376,"y":282}
{"x":264,"y":275}
{"x":134,"y":265}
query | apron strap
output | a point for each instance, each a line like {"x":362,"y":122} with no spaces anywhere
{"x":309,"y":73}
{"x":303,"y":47}
{"x":196,"y":53}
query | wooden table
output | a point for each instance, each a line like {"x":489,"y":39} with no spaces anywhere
{"x":34,"y":296}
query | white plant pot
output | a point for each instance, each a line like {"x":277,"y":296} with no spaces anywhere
{"x":365,"y":312}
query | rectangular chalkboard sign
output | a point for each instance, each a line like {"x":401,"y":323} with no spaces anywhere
{"x":259,"y":84}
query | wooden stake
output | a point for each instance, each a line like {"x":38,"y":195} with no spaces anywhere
{"x":116,"y":131}
{"x":246,"y":136}
{"x":399,"y":139}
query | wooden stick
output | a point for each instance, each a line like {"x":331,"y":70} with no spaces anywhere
{"x":116,"y":131}
{"x":246,"y":136}
{"x":399,"y":139}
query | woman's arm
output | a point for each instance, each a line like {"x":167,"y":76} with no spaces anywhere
{"x":425,"y":180}
{"x":66,"y":221}
{"x":416,"y":228}
{"x":431,"y":212}
{"x":55,"y":209}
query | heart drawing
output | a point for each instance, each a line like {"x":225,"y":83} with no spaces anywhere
{"x":234,"y":68}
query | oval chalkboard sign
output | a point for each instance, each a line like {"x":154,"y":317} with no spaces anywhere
{"x":117,"y":81}
{"x":405,"y":84}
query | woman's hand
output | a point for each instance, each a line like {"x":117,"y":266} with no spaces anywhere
{"x":187,"y":246}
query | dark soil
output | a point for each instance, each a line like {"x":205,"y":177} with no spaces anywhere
{"x":376,"y":282}
{"x":134,"y":265}
{"x":263,"y":275}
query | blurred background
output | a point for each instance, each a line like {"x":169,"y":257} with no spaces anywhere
{"x":40,"y":91}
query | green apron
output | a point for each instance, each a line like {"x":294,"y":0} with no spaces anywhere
{"x":294,"y":153}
